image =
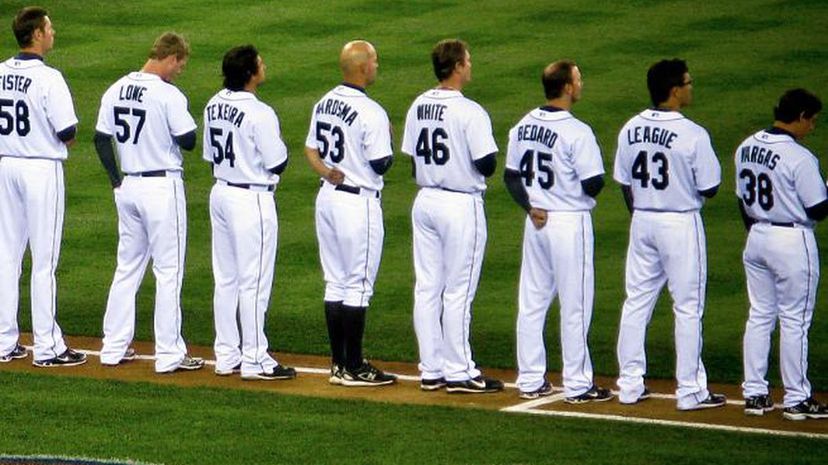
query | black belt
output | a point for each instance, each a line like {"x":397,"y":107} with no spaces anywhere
{"x":352,"y":190}
{"x":270,"y":188}
{"x":150,"y":174}
{"x":783,"y":225}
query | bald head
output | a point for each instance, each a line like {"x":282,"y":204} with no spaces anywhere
{"x":358,"y":62}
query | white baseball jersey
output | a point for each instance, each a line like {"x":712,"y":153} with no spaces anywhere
{"x":239,"y":123}
{"x":553,"y":152}
{"x":144,"y":113}
{"x":349,"y":130}
{"x":35,"y":104}
{"x":242,"y":139}
{"x":666,"y":159}
{"x":777,"y":178}
{"x":445,"y":132}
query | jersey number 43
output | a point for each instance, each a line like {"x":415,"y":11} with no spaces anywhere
{"x":661,"y":165}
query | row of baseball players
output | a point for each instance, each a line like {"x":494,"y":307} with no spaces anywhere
{"x":665,"y":164}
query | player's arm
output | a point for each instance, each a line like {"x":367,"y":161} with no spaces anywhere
{"x":709,"y":193}
{"x":592,"y":186}
{"x":186,"y":141}
{"x":818,"y":212}
{"x":514,"y":184}
{"x":332,"y":175}
{"x":746,"y":219}
{"x":67,"y":136}
{"x":626,"y":191}
{"x":486,"y":165}
{"x":106,"y":153}
{"x":381,"y":165}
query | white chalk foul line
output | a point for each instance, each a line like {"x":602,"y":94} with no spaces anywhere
{"x":531,"y":407}
{"x":654,"y":421}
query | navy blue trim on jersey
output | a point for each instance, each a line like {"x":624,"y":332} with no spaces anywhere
{"x":65,"y":135}
{"x":780,"y":132}
{"x":28,"y":56}
{"x":355,"y":87}
{"x":550,"y":108}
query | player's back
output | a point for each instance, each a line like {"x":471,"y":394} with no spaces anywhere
{"x":242,"y":138}
{"x":34,"y":105}
{"x":553,"y":152}
{"x":445,"y":132}
{"x":666,"y":159}
{"x":349,"y":129}
{"x":776,"y":178}
{"x":143,"y":113}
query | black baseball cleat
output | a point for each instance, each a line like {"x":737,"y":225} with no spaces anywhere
{"x":543,"y":391}
{"x":336,"y":375}
{"x":68,"y":358}
{"x":279,"y":372}
{"x":712,"y":401}
{"x":366,"y":375}
{"x":594,"y":394}
{"x":432,"y":384}
{"x":232,"y":371}
{"x":808,"y":408}
{"x":478,"y":385}
{"x":17,"y":353}
{"x":758,"y":405}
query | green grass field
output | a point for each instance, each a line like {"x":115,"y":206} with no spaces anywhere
{"x":742,"y":54}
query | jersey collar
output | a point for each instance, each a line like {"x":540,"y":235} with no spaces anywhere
{"x":660,"y":114}
{"x":355,"y":87}
{"x":550,"y":108}
{"x":780,"y":132}
{"x":28,"y":56}
{"x":237,"y":94}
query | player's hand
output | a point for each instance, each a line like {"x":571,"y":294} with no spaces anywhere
{"x":335,"y":177}
{"x":538,"y":217}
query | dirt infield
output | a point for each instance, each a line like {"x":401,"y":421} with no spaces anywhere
{"x":313,"y":375}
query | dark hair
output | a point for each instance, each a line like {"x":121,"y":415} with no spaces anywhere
{"x":26,"y":22}
{"x":556,"y":76}
{"x":446,"y":55}
{"x":239,"y":65}
{"x":663,"y":76}
{"x":794,"y":103}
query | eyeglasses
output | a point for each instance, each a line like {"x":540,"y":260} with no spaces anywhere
{"x":686,"y":83}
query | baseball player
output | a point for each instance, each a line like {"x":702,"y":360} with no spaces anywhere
{"x":666,"y":167}
{"x":243,"y":142}
{"x":781,"y":197}
{"x":349,"y":146}
{"x":449,"y":138}
{"x":37,"y":123}
{"x":147,"y":117}
{"x":554,"y":171}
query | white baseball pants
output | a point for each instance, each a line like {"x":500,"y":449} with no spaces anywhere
{"x":31,"y":210}
{"x":665,"y":247}
{"x":350,"y":232}
{"x":557,"y":260}
{"x":152,"y":223}
{"x":782,"y":267}
{"x":449,"y":242}
{"x":245,"y":229}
